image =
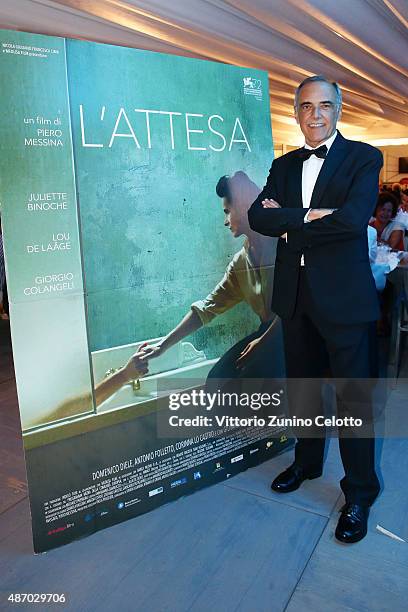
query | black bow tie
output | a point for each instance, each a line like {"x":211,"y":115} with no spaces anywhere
{"x":306,"y":153}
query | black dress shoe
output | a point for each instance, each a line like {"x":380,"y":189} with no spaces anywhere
{"x":352,"y":525}
{"x":292,"y":478}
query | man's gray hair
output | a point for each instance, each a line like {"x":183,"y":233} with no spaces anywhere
{"x":318,"y":79}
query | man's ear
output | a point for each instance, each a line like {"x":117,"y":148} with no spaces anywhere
{"x":296,"y":114}
{"x":339,"y":113}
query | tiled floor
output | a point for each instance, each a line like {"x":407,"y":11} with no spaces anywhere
{"x":234,"y":546}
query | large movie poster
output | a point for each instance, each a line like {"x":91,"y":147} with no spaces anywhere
{"x":135,"y":283}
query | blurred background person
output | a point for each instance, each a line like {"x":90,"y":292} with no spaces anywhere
{"x":389,"y":231}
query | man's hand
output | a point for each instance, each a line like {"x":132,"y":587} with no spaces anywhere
{"x":273,"y":204}
{"x":319,"y":213}
{"x":270,"y":204}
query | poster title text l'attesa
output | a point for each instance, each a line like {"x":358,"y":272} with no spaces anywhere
{"x":199,"y":129}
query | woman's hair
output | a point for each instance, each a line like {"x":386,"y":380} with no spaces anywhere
{"x":237,"y":189}
{"x":385,"y":197}
{"x":222,"y":189}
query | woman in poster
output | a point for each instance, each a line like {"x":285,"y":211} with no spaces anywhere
{"x":248,"y":278}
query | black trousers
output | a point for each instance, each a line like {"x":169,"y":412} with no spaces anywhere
{"x":314,"y":345}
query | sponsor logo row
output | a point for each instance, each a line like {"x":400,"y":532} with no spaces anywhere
{"x":197,"y":475}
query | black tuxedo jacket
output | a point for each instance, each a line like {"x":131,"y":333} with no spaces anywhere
{"x":335,"y":248}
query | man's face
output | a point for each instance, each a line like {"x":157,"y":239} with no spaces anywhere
{"x":317,"y":112}
{"x":233,"y":218}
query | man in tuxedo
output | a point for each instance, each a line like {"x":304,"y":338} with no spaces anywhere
{"x":319,"y":200}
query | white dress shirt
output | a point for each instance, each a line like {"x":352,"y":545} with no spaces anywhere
{"x":310,"y":172}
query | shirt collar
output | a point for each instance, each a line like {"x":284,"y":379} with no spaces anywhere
{"x":327,"y":142}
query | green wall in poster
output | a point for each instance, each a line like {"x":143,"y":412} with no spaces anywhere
{"x":150,"y":143}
